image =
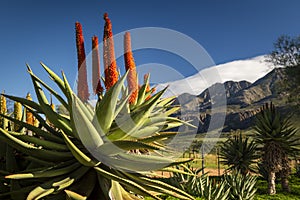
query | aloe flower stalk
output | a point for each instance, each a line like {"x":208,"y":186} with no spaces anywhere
{"x":3,"y":104}
{"x":18,"y":111}
{"x":36,"y":122}
{"x":146,"y":76}
{"x":148,"y":89}
{"x":82,"y":85}
{"x":53,"y":107}
{"x":97,"y":87}
{"x":29,"y":116}
{"x":130,"y":66}
{"x":109,"y":60}
{"x":17,"y":114}
{"x":3,"y":110}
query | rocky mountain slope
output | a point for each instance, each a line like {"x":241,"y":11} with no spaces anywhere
{"x":243,"y":101}
{"x":263,"y":89}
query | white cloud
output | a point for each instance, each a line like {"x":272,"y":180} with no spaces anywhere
{"x":249,"y":70}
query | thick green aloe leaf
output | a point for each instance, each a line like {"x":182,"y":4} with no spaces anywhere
{"x":77,"y":153}
{"x":135,"y":162}
{"x":28,"y":149}
{"x":86,"y":131}
{"x":158,"y":186}
{"x":56,"y":184}
{"x":58,"y":120}
{"x":48,"y":172}
{"x":40,"y":142}
{"x":85,"y":185}
{"x":115,"y":147}
{"x":57,"y":80}
{"x":53,"y":92}
{"x":36,"y":130}
{"x":105,"y":109}
{"x":157,"y":137}
{"x":25,"y":101}
{"x":74,"y":196}
{"x":128,"y":183}
{"x":118,"y":192}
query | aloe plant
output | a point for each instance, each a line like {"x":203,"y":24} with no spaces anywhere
{"x":89,"y":154}
{"x":190,"y":180}
{"x":10,"y":160}
{"x":239,"y":154}
{"x":242,"y":186}
{"x":278,"y":139}
{"x":65,"y":163}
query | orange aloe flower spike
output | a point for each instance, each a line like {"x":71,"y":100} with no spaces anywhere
{"x":82,"y":85}
{"x":148,"y":89}
{"x":130,"y":65}
{"x":97,"y":87}
{"x":109,"y":60}
{"x":146,"y":76}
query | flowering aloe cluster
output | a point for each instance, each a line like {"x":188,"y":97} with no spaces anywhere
{"x":102,"y":152}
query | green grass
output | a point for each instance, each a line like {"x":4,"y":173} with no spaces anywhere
{"x":277,"y":197}
{"x":261,"y":193}
{"x":262,"y":186}
{"x":210,"y":161}
{"x":170,"y":198}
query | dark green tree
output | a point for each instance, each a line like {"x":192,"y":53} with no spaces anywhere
{"x":278,"y":141}
{"x":239,"y":154}
{"x":286,"y":53}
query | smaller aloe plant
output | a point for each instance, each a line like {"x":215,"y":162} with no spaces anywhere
{"x":199,"y":185}
{"x":278,"y":141}
{"x":239,"y":154}
{"x":215,"y":191}
{"x":189,"y":180}
{"x":242,"y":186}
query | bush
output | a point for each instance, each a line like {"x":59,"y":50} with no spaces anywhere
{"x":242,"y":187}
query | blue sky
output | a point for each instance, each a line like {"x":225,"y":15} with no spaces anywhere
{"x":33,"y":31}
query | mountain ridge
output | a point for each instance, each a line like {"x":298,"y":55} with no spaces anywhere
{"x":244,"y":100}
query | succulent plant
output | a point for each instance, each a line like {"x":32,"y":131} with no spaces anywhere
{"x":242,"y":186}
{"x":278,"y":139}
{"x":67,"y":162}
{"x":239,"y":154}
{"x":190,"y":181}
{"x":90,"y":153}
{"x":200,"y":185}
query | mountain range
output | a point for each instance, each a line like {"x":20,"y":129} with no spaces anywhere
{"x":243,"y":100}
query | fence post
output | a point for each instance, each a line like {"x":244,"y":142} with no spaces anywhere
{"x":218,"y":158}
{"x":202,"y":155}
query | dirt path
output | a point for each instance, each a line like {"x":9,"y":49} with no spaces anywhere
{"x":209,"y":171}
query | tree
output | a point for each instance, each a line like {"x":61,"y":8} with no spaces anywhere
{"x":239,"y":154}
{"x":286,"y":53}
{"x":278,"y":141}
